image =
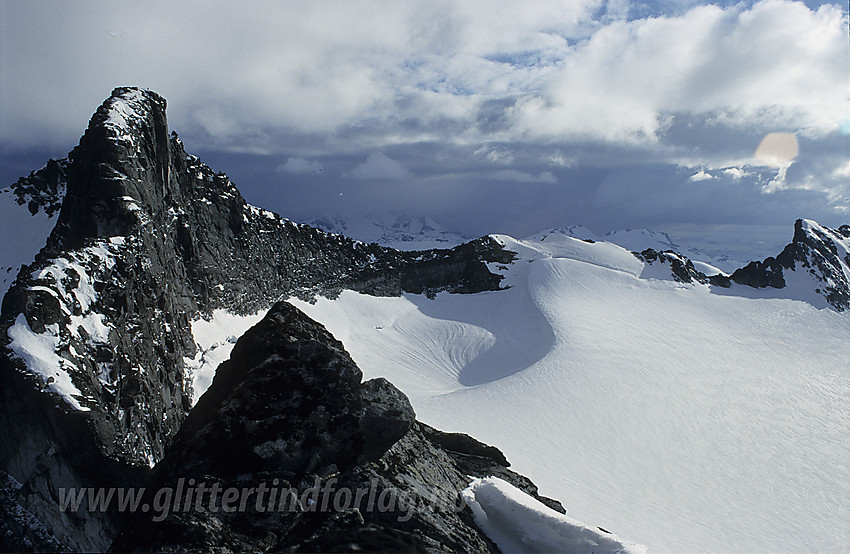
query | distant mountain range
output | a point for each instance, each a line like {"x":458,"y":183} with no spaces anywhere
{"x":394,"y":230}
{"x":712,"y":253}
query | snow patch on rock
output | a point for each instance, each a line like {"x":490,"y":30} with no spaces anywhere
{"x":51,"y":353}
{"x":519,"y":523}
{"x":125,"y":113}
{"x":215,"y":338}
{"x":38,"y":351}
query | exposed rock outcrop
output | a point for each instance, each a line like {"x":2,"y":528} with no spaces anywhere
{"x":681,"y":268}
{"x":287,"y":412}
{"x":820,"y":252}
{"x":817,"y":259}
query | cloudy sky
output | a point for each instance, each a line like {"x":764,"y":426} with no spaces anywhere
{"x":488,"y":116}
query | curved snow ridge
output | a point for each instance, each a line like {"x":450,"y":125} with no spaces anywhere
{"x":684,"y":419}
{"x":602,"y":254}
{"x":519,"y":523}
{"x":443,"y":344}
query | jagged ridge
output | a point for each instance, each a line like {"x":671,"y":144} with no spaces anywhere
{"x":821,"y":252}
{"x":147,"y":239}
{"x":818,"y":254}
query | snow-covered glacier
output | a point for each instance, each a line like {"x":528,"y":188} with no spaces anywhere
{"x":683,"y":416}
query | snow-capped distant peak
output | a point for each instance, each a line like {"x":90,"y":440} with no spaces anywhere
{"x":662,"y":256}
{"x":396,"y":230}
{"x":638,"y":240}
{"x":575,"y":231}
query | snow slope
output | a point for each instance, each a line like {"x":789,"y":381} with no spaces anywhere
{"x":680,"y":418}
{"x":712,"y":248}
{"x":215,"y":339}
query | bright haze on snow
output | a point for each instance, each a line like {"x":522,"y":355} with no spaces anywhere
{"x":487,"y":117}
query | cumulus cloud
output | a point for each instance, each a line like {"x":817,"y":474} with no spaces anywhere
{"x":735,"y":172}
{"x":842,"y":171}
{"x":408,"y":71}
{"x":701,"y":175}
{"x":379,"y":166}
{"x":776,"y":63}
{"x":299,"y":166}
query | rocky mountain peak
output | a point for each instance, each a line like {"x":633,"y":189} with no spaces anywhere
{"x":148,"y":238}
{"x":128,"y":114}
{"x":807,"y":231}
{"x":817,"y":253}
{"x":120,"y":167}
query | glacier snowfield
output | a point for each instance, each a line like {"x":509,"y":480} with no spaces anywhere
{"x":677,"y":416}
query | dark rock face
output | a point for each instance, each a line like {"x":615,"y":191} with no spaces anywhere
{"x":767,"y":273}
{"x":288,"y":410}
{"x":290,"y":396}
{"x":148,"y":238}
{"x":819,"y":251}
{"x":681,"y":268}
{"x":45,"y":450}
{"x":44,"y":189}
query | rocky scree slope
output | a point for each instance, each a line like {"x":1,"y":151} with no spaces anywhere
{"x":96,"y":328}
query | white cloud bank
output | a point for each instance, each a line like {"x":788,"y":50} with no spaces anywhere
{"x":299,"y":166}
{"x":457,"y":71}
{"x":379,"y":166}
{"x":775,"y":64}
